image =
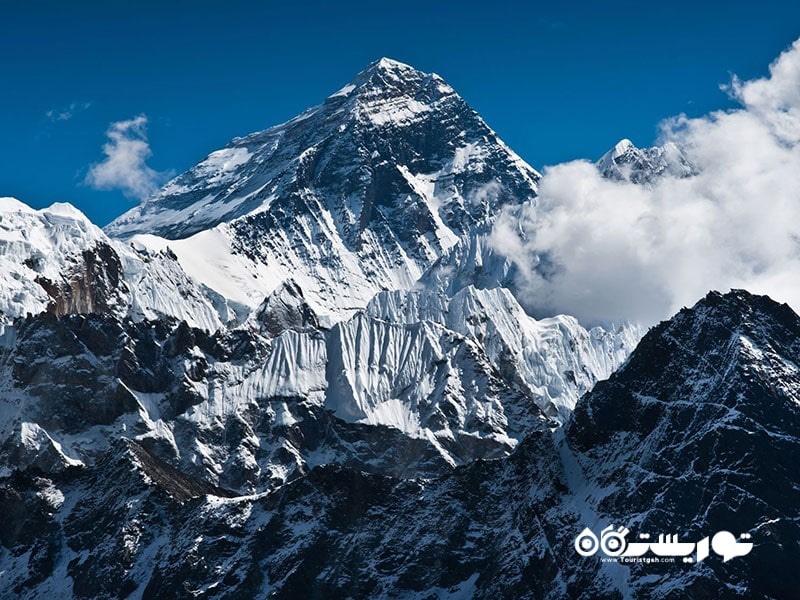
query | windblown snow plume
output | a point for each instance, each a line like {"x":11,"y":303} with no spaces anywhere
{"x":602,"y":249}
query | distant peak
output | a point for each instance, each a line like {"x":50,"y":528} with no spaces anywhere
{"x":65,"y":209}
{"x":58,"y":209}
{"x":9,"y":204}
{"x":623,"y":146}
{"x":620,"y":148}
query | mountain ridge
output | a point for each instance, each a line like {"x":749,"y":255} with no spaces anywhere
{"x":256,"y":349}
{"x":488,"y":528}
{"x":303,"y":370}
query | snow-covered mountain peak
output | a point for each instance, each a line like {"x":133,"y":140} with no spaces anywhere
{"x":8,"y":204}
{"x":359,"y":194}
{"x":387,"y":94}
{"x":387,"y":70}
{"x":620,"y":149}
{"x":59,"y":226}
{"x":12,"y":206}
{"x":55,"y":260}
{"x":626,"y":162}
{"x":388,"y":76}
{"x":388,"y":65}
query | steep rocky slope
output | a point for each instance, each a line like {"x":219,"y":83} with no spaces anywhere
{"x":696,"y":433}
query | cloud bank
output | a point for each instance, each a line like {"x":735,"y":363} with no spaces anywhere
{"x":125,"y":165}
{"x":607,"y":250}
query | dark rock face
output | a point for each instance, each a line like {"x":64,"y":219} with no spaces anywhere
{"x":371,"y":535}
{"x":88,"y":379}
{"x":700,"y":432}
{"x":178,"y":485}
{"x":94,"y":286}
{"x":79,"y":366}
{"x":348,"y":155}
{"x":365,"y":150}
{"x":286,"y":309}
{"x":696,"y":433}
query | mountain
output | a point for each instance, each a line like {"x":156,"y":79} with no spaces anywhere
{"x":699,"y":432}
{"x":357,"y":195}
{"x":56,"y":260}
{"x":251,"y":407}
{"x":696,"y":433}
{"x":178,"y":333}
{"x":626,"y":162}
{"x":302,"y":370}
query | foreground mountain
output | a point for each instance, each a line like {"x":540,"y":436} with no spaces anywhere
{"x":696,"y":433}
{"x":700,"y":432}
{"x":357,"y":195}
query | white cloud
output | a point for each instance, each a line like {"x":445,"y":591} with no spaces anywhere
{"x":605,"y":250}
{"x":67,"y":112}
{"x":125,"y":167}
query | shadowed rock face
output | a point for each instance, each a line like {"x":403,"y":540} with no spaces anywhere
{"x":286,"y":309}
{"x":94,"y":286}
{"x":696,"y":433}
{"x":242,"y":408}
{"x":700,"y":432}
{"x":179,"y":486}
{"x":356,"y":155}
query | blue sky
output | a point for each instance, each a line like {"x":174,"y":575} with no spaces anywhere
{"x":558,"y":81}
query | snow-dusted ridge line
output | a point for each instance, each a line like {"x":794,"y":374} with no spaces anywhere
{"x":444,"y":370}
